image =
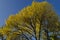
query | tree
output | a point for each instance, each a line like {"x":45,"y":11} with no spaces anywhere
{"x":31,"y":20}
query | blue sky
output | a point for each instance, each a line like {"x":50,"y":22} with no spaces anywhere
{"x":9,"y":7}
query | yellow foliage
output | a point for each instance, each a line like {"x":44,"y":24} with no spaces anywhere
{"x":29,"y":19}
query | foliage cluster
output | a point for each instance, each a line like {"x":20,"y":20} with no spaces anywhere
{"x":38,"y":21}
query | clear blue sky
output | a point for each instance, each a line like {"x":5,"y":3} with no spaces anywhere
{"x":8,"y":7}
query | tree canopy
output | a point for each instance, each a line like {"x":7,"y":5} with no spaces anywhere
{"x":36,"y":20}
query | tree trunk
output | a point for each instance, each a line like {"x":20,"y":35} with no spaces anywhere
{"x":37,"y":31}
{"x":47,"y":35}
{"x":2,"y":37}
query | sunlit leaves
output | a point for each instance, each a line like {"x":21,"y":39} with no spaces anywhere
{"x":30,"y":20}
